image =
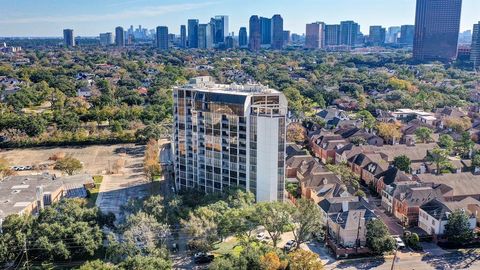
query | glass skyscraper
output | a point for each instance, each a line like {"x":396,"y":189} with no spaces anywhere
{"x":230,"y":136}
{"x":193,"y":33}
{"x":437,"y":24}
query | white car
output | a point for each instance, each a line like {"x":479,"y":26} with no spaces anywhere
{"x":290,"y":245}
{"x":399,"y":241}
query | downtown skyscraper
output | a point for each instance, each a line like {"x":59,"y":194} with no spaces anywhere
{"x":266,"y":31}
{"x":119,"y":37}
{"x":349,"y":31}
{"x":315,"y":35}
{"x":230,"y":136}
{"x":68,"y":38}
{"x":475,"y":52}
{"x":219,"y":29}
{"x":162,"y":38}
{"x":183,"y":36}
{"x":277,"y":32}
{"x":193,"y":33}
{"x":254,"y":41}
{"x":205,"y":36}
{"x":377,"y":35}
{"x":437,"y":25}
{"x":243,"y":37}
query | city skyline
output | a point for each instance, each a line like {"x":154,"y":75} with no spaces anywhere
{"x":23,"y":14}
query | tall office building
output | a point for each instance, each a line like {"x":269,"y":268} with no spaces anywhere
{"x":349,"y":31}
{"x":255,"y":33}
{"x":68,"y":38}
{"x":119,"y":37}
{"x":437,"y":24}
{"x":230,"y":136}
{"x":230,"y":42}
{"x":220,"y":28}
{"x":332,"y":35}
{"x":393,"y":34}
{"x":162,"y":38}
{"x":106,"y":39}
{"x":407,"y":32}
{"x":286,"y":37}
{"x":475,"y":49}
{"x":183,"y":36}
{"x":266,"y":31}
{"x":205,"y":37}
{"x":377,"y":35}
{"x":315,"y":35}
{"x":277,"y":32}
{"x":193,"y":33}
{"x":242,"y":37}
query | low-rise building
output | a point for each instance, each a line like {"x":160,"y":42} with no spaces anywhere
{"x":346,"y":221}
{"x":27,"y":194}
{"x":433,"y":216}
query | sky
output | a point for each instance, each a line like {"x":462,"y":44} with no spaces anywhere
{"x":47,"y":18}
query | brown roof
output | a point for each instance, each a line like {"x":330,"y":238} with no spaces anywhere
{"x":462,"y":184}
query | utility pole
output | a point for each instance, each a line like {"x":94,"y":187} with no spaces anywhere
{"x":394,"y":258}
{"x":25,"y":250}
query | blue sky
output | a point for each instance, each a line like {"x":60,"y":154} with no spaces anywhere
{"x":89,"y":17}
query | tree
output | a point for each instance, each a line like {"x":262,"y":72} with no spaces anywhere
{"x":378,"y":238}
{"x":439,"y":157}
{"x":402,"y":163}
{"x":5,"y":169}
{"x":458,"y":124}
{"x":151,"y":165}
{"x":307,"y":219}
{"x":296,"y":133}
{"x":367,"y":118}
{"x":304,"y":260}
{"x":476,"y":160}
{"x":271,"y":261}
{"x":423,"y":134}
{"x":465,"y":145}
{"x":275,"y":217}
{"x":389,"y":131}
{"x":446,"y":142}
{"x":68,"y":165}
{"x":144,"y":231}
{"x":97,"y":265}
{"x":457,"y":229}
{"x":347,"y":176}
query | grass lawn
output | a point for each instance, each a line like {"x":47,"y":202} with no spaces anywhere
{"x":227,"y":247}
{"x":92,"y":199}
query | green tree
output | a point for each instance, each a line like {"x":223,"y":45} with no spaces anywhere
{"x":423,"y":134}
{"x":465,"y":145}
{"x":457,"y":229}
{"x":402,"y":163}
{"x":368,"y":119}
{"x":439,"y":157}
{"x":307,"y":219}
{"x":275,"y":217}
{"x":446,"y":142}
{"x":68,"y":165}
{"x":378,"y":238}
{"x":97,"y":265}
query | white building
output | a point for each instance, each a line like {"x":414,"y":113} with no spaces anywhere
{"x":433,"y":216}
{"x":230,"y":136}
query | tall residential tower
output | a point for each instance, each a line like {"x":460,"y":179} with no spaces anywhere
{"x":68,"y":38}
{"x":230,"y":136}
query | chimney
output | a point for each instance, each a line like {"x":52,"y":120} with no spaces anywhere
{"x":345,"y":206}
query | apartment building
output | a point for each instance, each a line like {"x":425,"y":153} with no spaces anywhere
{"x":230,"y":136}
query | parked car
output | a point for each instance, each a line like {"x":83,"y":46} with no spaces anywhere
{"x":399,"y":241}
{"x":201,"y":258}
{"x":261,"y":236}
{"x":290,"y":245}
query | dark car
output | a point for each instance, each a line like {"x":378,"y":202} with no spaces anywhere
{"x":201,"y":258}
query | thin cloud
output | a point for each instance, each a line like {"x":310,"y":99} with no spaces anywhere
{"x":151,"y":11}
